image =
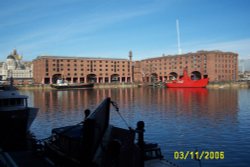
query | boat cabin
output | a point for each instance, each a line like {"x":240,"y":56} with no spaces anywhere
{"x":11,"y":99}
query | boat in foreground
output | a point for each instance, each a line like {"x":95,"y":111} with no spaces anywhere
{"x":187,"y":82}
{"x":64,"y":85}
{"x":15,"y":115}
{"x":96,"y":143}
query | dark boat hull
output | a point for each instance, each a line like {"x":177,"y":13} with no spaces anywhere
{"x":15,"y":124}
{"x":73,"y":86}
{"x":77,"y":145}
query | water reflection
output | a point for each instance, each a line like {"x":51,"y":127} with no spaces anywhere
{"x":143,"y":103}
{"x":178,"y":119}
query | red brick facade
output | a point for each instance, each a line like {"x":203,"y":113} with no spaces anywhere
{"x":216,"y":65}
{"x":47,"y":69}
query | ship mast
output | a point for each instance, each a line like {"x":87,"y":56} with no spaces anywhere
{"x":178,"y":36}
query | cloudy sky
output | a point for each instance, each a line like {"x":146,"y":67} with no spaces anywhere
{"x":111,"y":28}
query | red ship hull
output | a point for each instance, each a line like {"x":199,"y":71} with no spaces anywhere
{"x":187,"y":82}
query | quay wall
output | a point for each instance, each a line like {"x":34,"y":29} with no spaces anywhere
{"x":47,"y":86}
{"x":229,"y":85}
{"x":211,"y":85}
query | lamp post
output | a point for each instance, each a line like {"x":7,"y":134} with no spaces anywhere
{"x":10,"y":77}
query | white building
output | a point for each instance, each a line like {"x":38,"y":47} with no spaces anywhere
{"x":244,"y":69}
{"x":20,"y":71}
{"x":244,"y":65}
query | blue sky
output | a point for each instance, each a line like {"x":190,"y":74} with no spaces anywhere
{"x":111,"y":28}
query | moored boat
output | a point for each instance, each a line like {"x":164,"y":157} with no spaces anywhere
{"x":16,"y":116}
{"x":187,"y":82}
{"x":95,"y":142}
{"x":64,"y":85}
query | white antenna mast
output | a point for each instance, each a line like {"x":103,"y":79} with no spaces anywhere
{"x":178,"y":36}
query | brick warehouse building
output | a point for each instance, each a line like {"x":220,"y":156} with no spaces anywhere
{"x":216,"y":65}
{"x":47,"y":69}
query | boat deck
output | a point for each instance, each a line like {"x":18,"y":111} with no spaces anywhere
{"x":22,"y":158}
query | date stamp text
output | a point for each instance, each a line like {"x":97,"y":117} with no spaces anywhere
{"x":199,"y":155}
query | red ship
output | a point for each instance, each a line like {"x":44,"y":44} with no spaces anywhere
{"x":187,"y":82}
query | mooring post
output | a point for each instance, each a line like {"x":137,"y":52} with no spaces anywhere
{"x":140,"y":130}
{"x":86,"y":113}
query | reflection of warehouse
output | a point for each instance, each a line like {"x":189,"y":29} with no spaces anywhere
{"x":216,"y":65}
{"x":47,"y":69}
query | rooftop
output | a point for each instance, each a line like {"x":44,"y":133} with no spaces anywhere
{"x":191,"y":53}
{"x":76,"y":57}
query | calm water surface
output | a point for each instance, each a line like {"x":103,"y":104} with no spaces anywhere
{"x":177,"y":119}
